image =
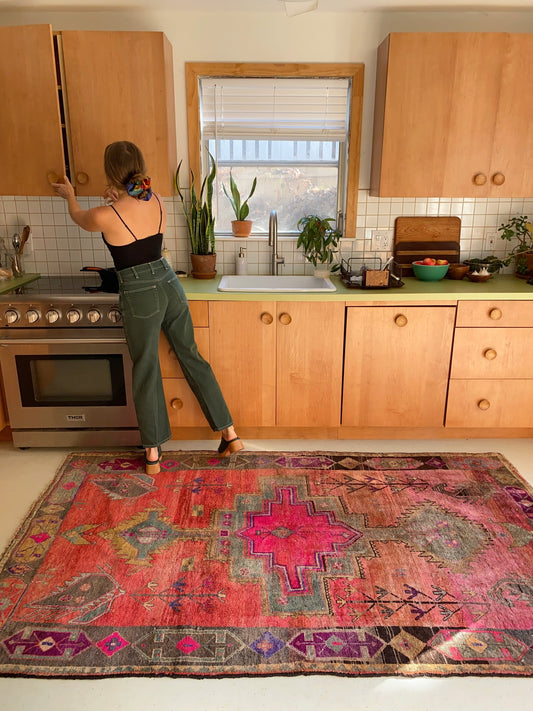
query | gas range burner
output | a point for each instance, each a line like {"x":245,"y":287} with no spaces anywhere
{"x":68,"y":301}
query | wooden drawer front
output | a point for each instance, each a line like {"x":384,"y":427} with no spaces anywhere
{"x":170,"y":368}
{"x":495,"y":314}
{"x":199,"y":313}
{"x":490,"y":403}
{"x":492,"y":353}
{"x":183,"y":408}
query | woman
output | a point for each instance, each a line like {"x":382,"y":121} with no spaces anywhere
{"x":151,"y":299}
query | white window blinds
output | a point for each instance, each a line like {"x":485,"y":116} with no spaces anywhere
{"x":251,"y":108}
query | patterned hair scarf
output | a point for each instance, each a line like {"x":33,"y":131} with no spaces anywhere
{"x":137,"y":188}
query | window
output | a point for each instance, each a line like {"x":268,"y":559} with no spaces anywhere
{"x":295,"y":127}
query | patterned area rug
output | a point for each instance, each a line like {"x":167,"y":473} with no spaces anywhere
{"x":273,"y":563}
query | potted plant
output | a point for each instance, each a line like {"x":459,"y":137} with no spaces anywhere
{"x":200,"y":223}
{"x":519,"y":230}
{"x":240,"y":226}
{"x":319,"y":240}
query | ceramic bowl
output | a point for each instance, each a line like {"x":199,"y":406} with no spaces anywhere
{"x":479,"y":277}
{"x":430,"y":272}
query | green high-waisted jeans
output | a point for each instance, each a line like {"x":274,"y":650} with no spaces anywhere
{"x":151,"y":300}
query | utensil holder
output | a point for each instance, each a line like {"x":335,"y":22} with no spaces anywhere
{"x":16,"y":265}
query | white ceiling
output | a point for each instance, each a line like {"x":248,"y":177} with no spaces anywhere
{"x":268,"y":5}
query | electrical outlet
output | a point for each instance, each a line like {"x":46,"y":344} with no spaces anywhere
{"x":490,"y":240}
{"x":382,"y":240}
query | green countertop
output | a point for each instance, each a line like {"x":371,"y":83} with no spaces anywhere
{"x":8,"y":285}
{"x":501,"y":288}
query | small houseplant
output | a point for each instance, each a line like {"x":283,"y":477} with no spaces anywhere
{"x":200,"y":223}
{"x":240,"y":226}
{"x":518,"y":229}
{"x":319,"y":239}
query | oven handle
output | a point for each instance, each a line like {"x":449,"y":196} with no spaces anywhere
{"x":52,"y":341}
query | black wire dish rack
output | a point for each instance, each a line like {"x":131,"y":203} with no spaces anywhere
{"x":369,"y":273}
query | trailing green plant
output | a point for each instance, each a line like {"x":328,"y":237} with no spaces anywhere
{"x":240,"y":209}
{"x":198,"y":211}
{"x":520,"y":230}
{"x":319,"y":239}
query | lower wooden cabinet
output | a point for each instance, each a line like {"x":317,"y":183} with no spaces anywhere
{"x":182,"y":406}
{"x":396,"y":365}
{"x":491,"y":383}
{"x":279,"y":363}
{"x":3,"y":409}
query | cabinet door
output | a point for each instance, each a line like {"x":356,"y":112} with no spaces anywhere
{"x":119,"y":86}
{"x":310,"y":339}
{"x":513,"y":141}
{"x":445,"y":120}
{"x":396,"y":365}
{"x":31,"y":143}
{"x":490,"y":403}
{"x":242,"y":347}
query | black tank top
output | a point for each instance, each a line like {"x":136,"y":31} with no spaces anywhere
{"x":140,"y":251}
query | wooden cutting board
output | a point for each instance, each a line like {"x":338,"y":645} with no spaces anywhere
{"x":419,"y":237}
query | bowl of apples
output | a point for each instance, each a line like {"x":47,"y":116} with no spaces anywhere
{"x":430,"y":269}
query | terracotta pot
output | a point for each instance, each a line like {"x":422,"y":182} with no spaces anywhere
{"x":241,"y":228}
{"x":203,"y":266}
{"x":529,"y":260}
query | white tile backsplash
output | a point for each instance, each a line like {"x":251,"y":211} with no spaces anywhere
{"x":58,"y":246}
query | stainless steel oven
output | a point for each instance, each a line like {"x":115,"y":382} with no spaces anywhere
{"x":66,"y":367}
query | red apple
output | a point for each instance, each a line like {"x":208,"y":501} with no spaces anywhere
{"x":442,"y":261}
{"x":429,"y":261}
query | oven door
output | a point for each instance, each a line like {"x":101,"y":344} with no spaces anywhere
{"x":67,"y":379}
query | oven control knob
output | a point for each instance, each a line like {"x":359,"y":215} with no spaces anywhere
{"x":94,"y":315}
{"x":73,"y":315}
{"x":32,"y":316}
{"x":11,"y":316}
{"x":114,"y":316}
{"x":52,"y":316}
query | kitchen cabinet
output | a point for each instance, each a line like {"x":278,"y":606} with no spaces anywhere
{"x":182,"y":406}
{"x":279,"y":363}
{"x":452,"y":117}
{"x":491,"y":382}
{"x":74,"y":93}
{"x":396,"y":365}
{"x":3,"y":409}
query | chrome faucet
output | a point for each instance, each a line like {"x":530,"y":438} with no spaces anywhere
{"x":273,"y":242}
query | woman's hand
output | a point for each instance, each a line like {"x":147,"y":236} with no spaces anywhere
{"x":110,"y":195}
{"x":64,"y":189}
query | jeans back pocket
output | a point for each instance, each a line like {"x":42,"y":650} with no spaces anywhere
{"x":140,"y":302}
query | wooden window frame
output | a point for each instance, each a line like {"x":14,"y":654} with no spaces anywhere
{"x":355,"y":72}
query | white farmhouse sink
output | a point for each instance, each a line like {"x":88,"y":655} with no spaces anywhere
{"x":274,"y":283}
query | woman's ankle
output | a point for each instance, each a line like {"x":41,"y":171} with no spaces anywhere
{"x":229,"y":433}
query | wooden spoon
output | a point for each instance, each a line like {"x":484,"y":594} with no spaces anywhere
{"x":24,"y":239}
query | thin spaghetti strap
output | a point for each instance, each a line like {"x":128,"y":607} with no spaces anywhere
{"x":120,"y":218}
{"x":160,"y":213}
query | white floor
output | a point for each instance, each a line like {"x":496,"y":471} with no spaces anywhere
{"x":24,"y":474}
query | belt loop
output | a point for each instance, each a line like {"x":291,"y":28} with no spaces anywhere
{"x":151,"y":268}
{"x":134,"y":273}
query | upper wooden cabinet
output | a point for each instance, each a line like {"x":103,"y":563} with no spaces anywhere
{"x":31,"y":146}
{"x":114,"y":86}
{"x":451,"y":115}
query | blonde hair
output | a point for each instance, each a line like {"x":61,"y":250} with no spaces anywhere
{"x":124,"y":166}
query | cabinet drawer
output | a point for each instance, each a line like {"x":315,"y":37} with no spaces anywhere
{"x":170,"y":368}
{"x":497,"y":314}
{"x":492,"y":353}
{"x":183,"y":408}
{"x":199,"y":313}
{"x":490,"y":403}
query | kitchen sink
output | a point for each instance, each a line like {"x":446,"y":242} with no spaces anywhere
{"x":284,"y":283}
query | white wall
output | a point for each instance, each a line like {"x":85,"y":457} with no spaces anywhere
{"x":313,"y":37}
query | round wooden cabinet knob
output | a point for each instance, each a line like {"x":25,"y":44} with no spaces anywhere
{"x":82,"y":178}
{"x":285,"y":319}
{"x":498,"y":179}
{"x":176,"y":403}
{"x":490,"y":354}
{"x":495,"y":314}
{"x":483,"y":404}
{"x":401,"y":320}
{"x":52,"y":178}
{"x":479,"y":179}
{"x":267,"y":318}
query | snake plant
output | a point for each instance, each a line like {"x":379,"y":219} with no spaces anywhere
{"x":240,"y":209}
{"x":198,"y":211}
